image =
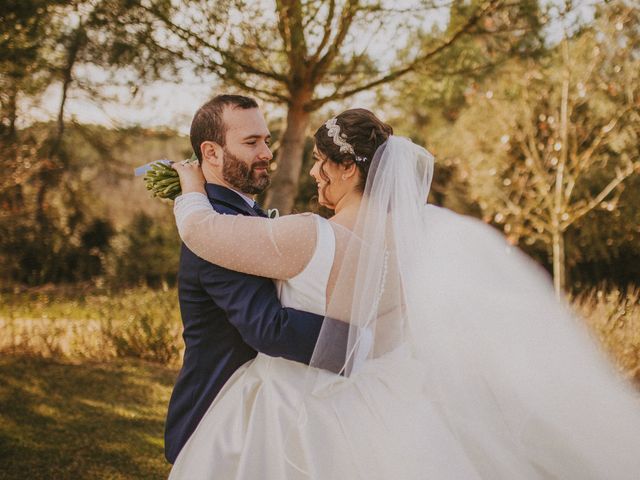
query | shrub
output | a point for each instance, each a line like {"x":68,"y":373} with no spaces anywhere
{"x":146,"y":336}
{"x":141,"y":323}
{"x":147,"y":253}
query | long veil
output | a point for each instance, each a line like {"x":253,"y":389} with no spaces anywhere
{"x":459,"y":360}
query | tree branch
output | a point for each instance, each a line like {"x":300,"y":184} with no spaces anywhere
{"x":186,"y":35}
{"x":602,"y":135}
{"x":473,"y":20}
{"x":621,"y":176}
{"x":268,"y":95}
{"x":290,"y":26}
{"x":327,"y":32}
{"x":346,"y":18}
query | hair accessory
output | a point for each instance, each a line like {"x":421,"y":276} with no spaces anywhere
{"x":333,"y":130}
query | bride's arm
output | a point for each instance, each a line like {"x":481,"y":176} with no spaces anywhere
{"x":275,"y":248}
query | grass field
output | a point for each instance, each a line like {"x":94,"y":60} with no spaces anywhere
{"x":85,"y":376}
{"x":82,"y":421}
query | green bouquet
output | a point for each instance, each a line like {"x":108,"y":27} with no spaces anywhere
{"x":162,"y":180}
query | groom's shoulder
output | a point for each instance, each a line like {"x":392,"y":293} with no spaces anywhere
{"x":222,"y":207}
{"x":189,"y":261}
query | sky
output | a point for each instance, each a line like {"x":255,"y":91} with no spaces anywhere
{"x":162,"y":103}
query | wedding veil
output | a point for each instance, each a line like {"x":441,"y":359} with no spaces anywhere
{"x":455,"y":333}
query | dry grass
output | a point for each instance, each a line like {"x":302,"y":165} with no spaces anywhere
{"x":614,"y":317}
{"x":144,"y":323}
{"x":67,"y":325}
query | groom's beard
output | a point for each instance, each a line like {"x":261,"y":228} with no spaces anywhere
{"x":245,"y":177}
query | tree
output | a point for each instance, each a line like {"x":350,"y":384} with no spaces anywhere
{"x":429,"y":100}
{"x":47,"y":223}
{"x":562,"y":136}
{"x":304,"y":55}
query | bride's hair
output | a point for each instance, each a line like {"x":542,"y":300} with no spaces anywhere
{"x":363,"y":131}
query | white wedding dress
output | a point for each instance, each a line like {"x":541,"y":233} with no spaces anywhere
{"x":252,"y":430}
{"x":242,"y":435}
{"x":461,"y":363}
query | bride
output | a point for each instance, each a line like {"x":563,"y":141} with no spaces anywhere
{"x":459,"y":361}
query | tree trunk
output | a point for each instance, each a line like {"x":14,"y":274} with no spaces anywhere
{"x":284,"y":188}
{"x":54,"y":153}
{"x":559,"y":275}
{"x":67,"y":79}
{"x":13,"y":111}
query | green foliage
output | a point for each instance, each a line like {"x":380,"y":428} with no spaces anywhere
{"x":51,"y":228}
{"x":80,"y":233}
{"x":606,"y":246}
{"x":428,"y":101}
{"x":63,"y":247}
{"x":163,"y":181}
{"x":49,"y":231}
{"x":147,"y":252}
{"x":507,"y":151}
{"x":434,"y":95}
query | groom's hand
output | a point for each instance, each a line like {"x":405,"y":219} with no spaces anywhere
{"x":191,"y":177}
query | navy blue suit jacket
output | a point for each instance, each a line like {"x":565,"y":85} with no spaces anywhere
{"x":228,"y":317}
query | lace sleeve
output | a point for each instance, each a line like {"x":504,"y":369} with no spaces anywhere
{"x":275,"y":248}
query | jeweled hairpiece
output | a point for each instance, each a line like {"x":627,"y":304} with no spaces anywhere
{"x":333,"y":130}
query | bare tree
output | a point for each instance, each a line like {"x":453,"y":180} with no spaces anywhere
{"x":558,"y":140}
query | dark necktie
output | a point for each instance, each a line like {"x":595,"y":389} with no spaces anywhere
{"x":258,"y":210}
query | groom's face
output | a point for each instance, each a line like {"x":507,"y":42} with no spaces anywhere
{"x":246,"y":151}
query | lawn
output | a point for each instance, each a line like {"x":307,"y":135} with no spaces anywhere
{"x":82,"y":421}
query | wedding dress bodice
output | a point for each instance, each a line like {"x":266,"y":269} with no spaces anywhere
{"x":308,"y":290}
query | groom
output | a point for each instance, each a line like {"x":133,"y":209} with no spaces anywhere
{"x":228,"y":316}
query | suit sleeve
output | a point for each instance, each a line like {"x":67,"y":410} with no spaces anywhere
{"x":252,"y":306}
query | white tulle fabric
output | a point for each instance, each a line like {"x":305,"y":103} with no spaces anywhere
{"x":275,"y":248}
{"x":243,"y":433}
{"x":460,"y":364}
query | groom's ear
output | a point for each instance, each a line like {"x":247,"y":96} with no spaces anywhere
{"x":212,"y":153}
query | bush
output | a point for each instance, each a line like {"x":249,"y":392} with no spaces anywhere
{"x":145,"y":337}
{"x":147,"y":253}
{"x":53,"y":252}
{"x":97,"y":325}
{"x":150,"y":332}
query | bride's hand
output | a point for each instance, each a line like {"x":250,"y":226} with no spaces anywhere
{"x":191,"y":177}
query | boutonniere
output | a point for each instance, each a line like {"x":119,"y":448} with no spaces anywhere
{"x":273,"y":213}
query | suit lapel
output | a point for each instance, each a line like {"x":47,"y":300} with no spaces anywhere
{"x":228,"y":197}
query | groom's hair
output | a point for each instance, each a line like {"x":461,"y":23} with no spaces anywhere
{"x":207,"y":124}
